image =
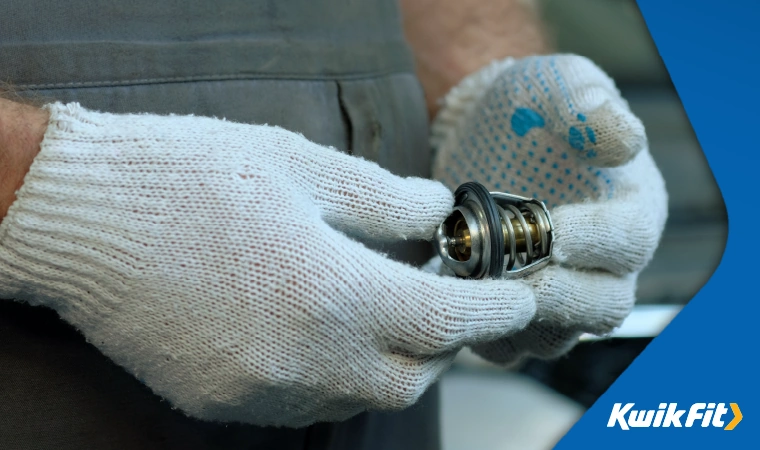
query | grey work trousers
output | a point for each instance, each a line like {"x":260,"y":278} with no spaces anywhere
{"x":337,"y":71}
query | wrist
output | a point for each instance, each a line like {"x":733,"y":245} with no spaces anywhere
{"x":453,"y":39}
{"x":22,"y":128}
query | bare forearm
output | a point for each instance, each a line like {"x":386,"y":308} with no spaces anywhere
{"x":22,"y":128}
{"x":453,"y":38}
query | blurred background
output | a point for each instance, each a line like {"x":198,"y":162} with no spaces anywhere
{"x":487,"y":408}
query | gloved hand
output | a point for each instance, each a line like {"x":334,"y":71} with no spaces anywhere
{"x":555,"y":128}
{"x":208,"y":259}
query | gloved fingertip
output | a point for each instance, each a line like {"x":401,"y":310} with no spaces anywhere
{"x":498,"y":308}
{"x":608,"y":136}
{"x":420,"y":207}
{"x":519,"y":302}
{"x":432,"y":266}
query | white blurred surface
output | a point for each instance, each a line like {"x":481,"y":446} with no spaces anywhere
{"x":493,"y":409}
{"x":646,"y":321}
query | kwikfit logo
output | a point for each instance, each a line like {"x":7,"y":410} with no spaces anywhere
{"x":668,"y":415}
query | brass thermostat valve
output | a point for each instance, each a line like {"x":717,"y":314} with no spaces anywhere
{"x":494,"y":234}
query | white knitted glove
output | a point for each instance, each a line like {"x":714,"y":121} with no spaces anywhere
{"x":555,"y":128}
{"x":203,"y":256}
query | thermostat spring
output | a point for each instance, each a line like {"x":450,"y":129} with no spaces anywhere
{"x":494,"y":234}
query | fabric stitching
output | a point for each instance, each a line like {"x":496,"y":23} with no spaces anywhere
{"x":212,"y":78}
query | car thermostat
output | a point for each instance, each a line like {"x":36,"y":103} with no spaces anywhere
{"x":494,"y":234}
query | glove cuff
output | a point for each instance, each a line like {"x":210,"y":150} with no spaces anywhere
{"x":61,"y":238}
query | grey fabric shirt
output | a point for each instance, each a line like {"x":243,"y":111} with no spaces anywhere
{"x":337,"y":71}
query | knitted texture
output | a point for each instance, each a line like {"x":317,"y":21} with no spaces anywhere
{"x":210,"y":259}
{"x":555,"y":128}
